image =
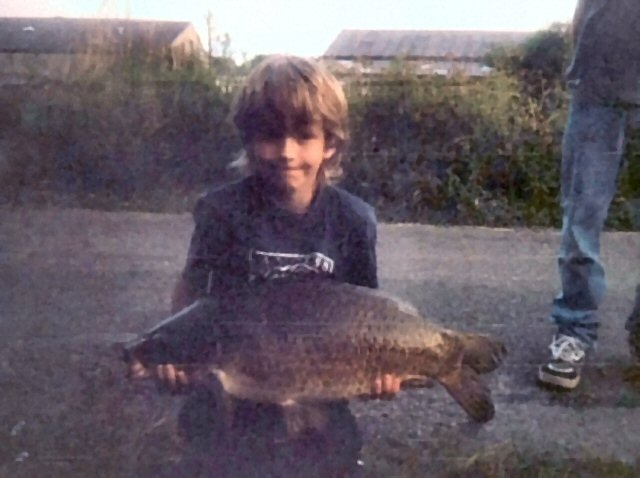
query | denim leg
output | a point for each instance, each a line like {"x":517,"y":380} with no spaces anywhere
{"x":633,"y":321}
{"x":591,"y":158}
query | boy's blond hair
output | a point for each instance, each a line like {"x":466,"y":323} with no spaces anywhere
{"x":285,"y":94}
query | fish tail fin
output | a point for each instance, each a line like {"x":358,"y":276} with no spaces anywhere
{"x":482,"y":353}
{"x":466,"y":387}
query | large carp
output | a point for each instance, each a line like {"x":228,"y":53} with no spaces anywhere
{"x":311,"y":340}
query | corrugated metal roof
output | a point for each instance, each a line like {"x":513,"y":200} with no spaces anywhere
{"x":419,"y":44}
{"x":76,"y":35}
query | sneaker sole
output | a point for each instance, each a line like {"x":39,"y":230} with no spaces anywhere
{"x":566,"y":383}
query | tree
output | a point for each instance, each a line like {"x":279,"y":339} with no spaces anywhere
{"x":545,"y":54}
{"x":539,"y":63}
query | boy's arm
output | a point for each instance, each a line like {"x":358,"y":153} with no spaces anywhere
{"x":168,"y":375}
{"x":183,"y":295}
{"x":208,"y":265}
{"x":363,"y":267}
{"x":207,"y":240}
{"x":364,"y":271}
{"x":190,"y":283}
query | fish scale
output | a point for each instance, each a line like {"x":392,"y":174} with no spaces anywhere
{"x":314,"y":340}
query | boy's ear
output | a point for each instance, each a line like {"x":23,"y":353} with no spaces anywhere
{"x":329,"y":151}
{"x":330,"y":148}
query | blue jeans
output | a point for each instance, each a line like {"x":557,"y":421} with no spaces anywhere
{"x":592,"y":150}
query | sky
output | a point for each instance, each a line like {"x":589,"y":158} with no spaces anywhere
{"x":306,"y":27}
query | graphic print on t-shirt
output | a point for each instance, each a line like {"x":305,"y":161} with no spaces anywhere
{"x":276,"y":265}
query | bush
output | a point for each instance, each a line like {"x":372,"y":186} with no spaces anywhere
{"x":454,"y":151}
{"x":424,"y":149}
{"x":120,"y":140}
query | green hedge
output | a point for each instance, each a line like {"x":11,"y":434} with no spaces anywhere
{"x":434,"y":150}
{"x":119,"y":142}
{"x":455,"y":150}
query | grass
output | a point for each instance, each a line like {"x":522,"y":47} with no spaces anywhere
{"x":391,"y":459}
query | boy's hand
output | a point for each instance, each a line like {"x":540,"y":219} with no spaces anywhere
{"x":167,"y":376}
{"x":385,"y":386}
{"x":137,"y":370}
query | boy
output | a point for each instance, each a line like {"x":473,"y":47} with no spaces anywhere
{"x":604,"y":78}
{"x":284,"y":218}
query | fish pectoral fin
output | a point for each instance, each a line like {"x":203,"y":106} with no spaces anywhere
{"x":299,"y":417}
{"x":467,"y":388}
{"x":225,"y":401}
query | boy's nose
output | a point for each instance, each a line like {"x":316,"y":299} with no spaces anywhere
{"x":288,"y":147}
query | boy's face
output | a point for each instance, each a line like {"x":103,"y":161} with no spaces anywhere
{"x":291,"y":162}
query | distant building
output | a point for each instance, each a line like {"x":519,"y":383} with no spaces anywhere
{"x":429,"y":52}
{"x":61,"y":48}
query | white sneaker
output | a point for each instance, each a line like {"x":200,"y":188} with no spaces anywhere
{"x":567,"y":358}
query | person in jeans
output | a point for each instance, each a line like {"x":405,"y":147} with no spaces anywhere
{"x":604,"y":81}
{"x":284,"y":218}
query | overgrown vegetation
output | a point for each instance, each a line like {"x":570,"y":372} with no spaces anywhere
{"x":455,"y":150}
{"x":430,"y":149}
{"x":135,"y":137}
{"x":385,"y":458}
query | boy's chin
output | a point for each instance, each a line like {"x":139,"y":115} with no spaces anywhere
{"x":275,"y":185}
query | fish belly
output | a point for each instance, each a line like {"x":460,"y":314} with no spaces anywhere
{"x":304,"y":369}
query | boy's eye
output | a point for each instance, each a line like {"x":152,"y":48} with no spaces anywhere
{"x":305,"y":135}
{"x":268,"y":136}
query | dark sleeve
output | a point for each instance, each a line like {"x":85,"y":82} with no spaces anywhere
{"x":579,"y":16}
{"x":363,"y":266}
{"x":212,"y":262}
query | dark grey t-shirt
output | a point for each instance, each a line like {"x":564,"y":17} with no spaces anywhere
{"x":240,"y":236}
{"x":606,"y":57}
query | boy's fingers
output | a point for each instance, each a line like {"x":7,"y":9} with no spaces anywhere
{"x":376,"y":388}
{"x":137,"y":370}
{"x":387,"y":383}
{"x":166,"y":375}
{"x":395,"y":384}
{"x":170,"y":374}
{"x":390,"y":386}
{"x":385,"y":386}
{"x":159,"y":374}
{"x":182,"y":378}
{"x":172,"y":378}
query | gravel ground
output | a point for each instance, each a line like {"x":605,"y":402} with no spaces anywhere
{"x":74,"y":282}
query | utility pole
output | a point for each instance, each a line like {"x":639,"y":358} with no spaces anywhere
{"x":107,"y":9}
{"x":210,"y":32}
{"x":111,"y":9}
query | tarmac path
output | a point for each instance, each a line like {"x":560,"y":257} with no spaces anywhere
{"x":73,"y":282}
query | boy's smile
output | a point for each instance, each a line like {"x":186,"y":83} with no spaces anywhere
{"x":292,"y":162}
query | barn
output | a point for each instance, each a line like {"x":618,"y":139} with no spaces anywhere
{"x":429,"y":52}
{"x":63,"y":48}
